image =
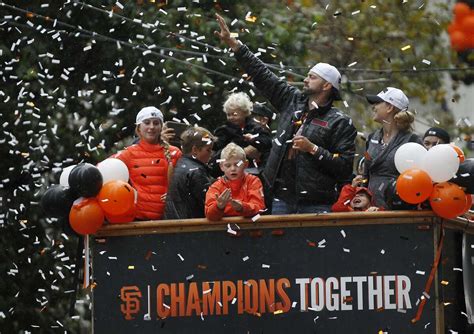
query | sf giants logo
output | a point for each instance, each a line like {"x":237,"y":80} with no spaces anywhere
{"x":130,"y":296}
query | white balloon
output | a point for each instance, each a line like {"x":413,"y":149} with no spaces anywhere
{"x":113,"y":169}
{"x":441,"y":162}
{"x":409,"y":155}
{"x":64,"y":178}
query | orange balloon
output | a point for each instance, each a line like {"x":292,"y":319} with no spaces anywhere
{"x":459,"y":40}
{"x":86,"y":216}
{"x":448,"y":200}
{"x":467,"y":24}
{"x":453,"y":26}
{"x":116,"y":198}
{"x":414,"y":186}
{"x":461,"y":10}
{"x":468,"y":203}
{"x":459,"y":152}
{"x":470,"y":41}
{"x":127,"y":217}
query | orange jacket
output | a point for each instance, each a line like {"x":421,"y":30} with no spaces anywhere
{"x":347,"y":194}
{"x":249,"y":191}
{"x":148,"y":169}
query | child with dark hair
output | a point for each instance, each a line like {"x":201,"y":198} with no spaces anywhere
{"x":191,"y":179}
{"x":435,"y":136}
{"x":262,"y":115}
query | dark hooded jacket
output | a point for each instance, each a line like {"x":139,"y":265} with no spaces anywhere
{"x":187,"y":190}
{"x":313,"y":177}
{"x":379,"y":165}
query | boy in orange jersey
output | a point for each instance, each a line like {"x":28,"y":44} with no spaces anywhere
{"x":236,"y":193}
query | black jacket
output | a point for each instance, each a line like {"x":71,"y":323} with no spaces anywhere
{"x":187,"y":190}
{"x":316,"y":175}
{"x":230,"y":132}
{"x":379,"y":165}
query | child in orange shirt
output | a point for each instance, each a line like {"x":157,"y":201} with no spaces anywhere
{"x":353,"y":197}
{"x":236,"y":193}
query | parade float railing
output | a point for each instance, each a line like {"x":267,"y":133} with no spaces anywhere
{"x":368,"y":272}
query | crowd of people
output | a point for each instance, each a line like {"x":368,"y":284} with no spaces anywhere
{"x":242,"y":169}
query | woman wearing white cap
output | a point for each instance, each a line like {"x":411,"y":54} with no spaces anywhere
{"x":150,"y":163}
{"x":390,"y":108}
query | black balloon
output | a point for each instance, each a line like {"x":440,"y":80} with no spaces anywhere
{"x":57,"y":201}
{"x":393,"y":200}
{"x":465,"y":176}
{"x":85,"y":180}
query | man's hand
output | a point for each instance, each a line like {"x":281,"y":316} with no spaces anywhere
{"x":303,"y":144}
{"x":223,"y":199}
{"x":224,"y":34}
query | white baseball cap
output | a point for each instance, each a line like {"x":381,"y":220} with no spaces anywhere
{"x":330,"y":74}
{"x":147,"y":113}
{"x":391,"y":95}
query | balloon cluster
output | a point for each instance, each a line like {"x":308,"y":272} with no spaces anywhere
{"x":461,"y":30}
{"x":87,"y":195}
{"x":437,"y":175}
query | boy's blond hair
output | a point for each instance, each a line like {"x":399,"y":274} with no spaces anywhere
{"x":232,"y":150}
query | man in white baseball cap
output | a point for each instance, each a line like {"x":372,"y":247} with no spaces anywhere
{"x":331,"y":75}
{"x":314,"y":146}
{"x":391,"y":95}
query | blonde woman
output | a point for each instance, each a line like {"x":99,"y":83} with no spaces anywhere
{"x":150,"y":164}
{"x":390,"y":108}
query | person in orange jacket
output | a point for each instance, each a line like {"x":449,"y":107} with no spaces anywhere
{"x":150,"y":164}
{"x":236,"y":193}
{"x":353,"y":197}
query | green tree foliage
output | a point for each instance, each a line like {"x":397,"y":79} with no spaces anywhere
{"x":75,"y":74}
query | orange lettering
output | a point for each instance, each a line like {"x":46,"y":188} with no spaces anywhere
{"x":193,"y":300}
{"x":240,"y":297}
{"x":162,"y":290}
{"x":267,"y":295}
{"x":281,"y":284}
{"x":228,"y":293}
{"x":177,"y":300}
{"x":210,"y":297}
{"x":251,"y":301}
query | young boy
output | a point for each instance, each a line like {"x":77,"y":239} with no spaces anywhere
{"x":191,"y":177}
{"x":353,"y":197}
{"x":242,"y":129}
{"x":236,"y":193}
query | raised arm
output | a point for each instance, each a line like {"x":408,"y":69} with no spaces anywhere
{"x":278,"y":92}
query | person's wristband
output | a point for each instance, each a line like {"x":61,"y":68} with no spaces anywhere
{"x":314,"y":150}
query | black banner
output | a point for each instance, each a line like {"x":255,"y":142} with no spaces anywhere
{"x":349,"y":279}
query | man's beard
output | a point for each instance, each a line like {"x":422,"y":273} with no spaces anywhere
{"x":308,"y":91}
